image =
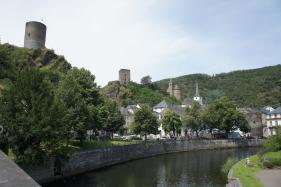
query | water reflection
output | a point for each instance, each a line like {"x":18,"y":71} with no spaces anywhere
{"x":198,"y":168}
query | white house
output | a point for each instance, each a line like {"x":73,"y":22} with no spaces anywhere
{"x":273,"y":120}
{"x":128,"y":114}
{"x":159,"y":110}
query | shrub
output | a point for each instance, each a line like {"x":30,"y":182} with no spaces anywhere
{"x":271,"y":159}
{"x":274,"y":142}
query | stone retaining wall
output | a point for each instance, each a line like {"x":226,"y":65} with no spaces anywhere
{"x":86,"y":161}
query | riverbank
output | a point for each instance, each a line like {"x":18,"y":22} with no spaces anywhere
{"x":85,"y":161}
{"x":255,"y":172}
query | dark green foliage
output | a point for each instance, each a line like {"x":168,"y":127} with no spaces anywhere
{"x":80,"y":95}
{"x":222,"y":114}
{"x":33,"y":118}
{"x":145,"y":122}
{"x":146,"y":81}
{"x":110,"y":117}
{"x":274,"y":142}
{"x":14,"y":59}
{"x":171,"y":122}
{"x":253,"y":88}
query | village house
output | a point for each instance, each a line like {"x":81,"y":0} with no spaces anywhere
{"x":273,"y":120}
{"x":254,"y":118}
{"x":128,"y":113}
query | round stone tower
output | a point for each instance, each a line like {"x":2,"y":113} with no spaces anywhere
{"x":35,"y":35}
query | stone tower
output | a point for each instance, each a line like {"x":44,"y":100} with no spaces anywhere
{"x":197,"y":96}
{"x":177,"y":92}
{"x":35,"y":35}
{"x":124,"y":77}
{"x":170,"y":88}
{"x":174,"y":90}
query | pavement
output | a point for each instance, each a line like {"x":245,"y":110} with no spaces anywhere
{"x":11,"y":175}
{"x":270,"y":177}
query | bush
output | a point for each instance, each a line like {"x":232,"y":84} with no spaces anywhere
{"x":271,"y":159}
{"x":227,"y":166}
{"x":274,"y":142}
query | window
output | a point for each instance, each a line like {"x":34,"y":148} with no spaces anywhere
{"x":28,"y":34}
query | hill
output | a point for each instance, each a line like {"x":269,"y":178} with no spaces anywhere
{"x":135,"y":94}
{"x":253,"y":88}
{"x":13,"y":59}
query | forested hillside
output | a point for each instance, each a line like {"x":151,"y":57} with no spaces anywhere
{"x":253,"y":88}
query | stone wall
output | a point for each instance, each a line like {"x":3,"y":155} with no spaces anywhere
{"x":86,"y":161}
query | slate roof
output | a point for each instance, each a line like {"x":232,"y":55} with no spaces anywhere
{"x":163,"y":104}
{"x":265,"y":110}
{"x":276,"y":111}
{"x":187,"y":101}
{"x":249,"y":110}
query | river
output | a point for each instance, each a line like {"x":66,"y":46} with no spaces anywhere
{"x":195,"y":168}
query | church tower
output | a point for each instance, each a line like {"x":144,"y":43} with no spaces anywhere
{"x":170,"y":88}
{"x":197,"y":96}
{"x":177,"y":92}
{"x":174,"y":91}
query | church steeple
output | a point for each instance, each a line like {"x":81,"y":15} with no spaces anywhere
{"x":197,"y":96}
{"x":197,"y":90}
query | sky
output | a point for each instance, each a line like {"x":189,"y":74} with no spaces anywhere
{"x":160,"y":38}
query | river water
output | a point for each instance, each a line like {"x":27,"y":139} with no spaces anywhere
{"x":196,"y":168}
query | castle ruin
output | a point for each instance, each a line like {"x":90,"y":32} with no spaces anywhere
{"x":35,"y":35}
{"x":124,"y":77}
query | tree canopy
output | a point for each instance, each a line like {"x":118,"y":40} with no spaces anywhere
{"x":171,"y":122}
{"x":79,"y":94}
{"x":223,"y":114}
{"x":33,"y":118}
{"x":146,"y":80}
{"x":145,"y":122}
{"x":193,"y":117}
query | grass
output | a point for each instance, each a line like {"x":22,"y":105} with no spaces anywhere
{"x":246,"y":173}
{"x":88,"y":145}
{"x":227,"y":166}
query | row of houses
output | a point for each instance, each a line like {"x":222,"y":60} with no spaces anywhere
{"x":160,"y":109}
{"x":263,"y":122}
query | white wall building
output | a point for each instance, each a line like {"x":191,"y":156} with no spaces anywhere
{"x":273,"y":120}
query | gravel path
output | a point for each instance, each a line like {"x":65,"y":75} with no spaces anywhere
{"x":270,"y":177}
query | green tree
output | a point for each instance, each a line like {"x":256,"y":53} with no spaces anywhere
{"x":222,"y":114}
{"x":146,"y":80}
{"x":33,"y":118}
{"x":171,"y":122}
{"x":111,"y":118}
{"x":80,"y":95}
{"x":273,"y":143}
{"x":145,"y":122}
{"x":193,"y":118}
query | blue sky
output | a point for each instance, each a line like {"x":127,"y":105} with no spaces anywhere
{"x":160,"y":38}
